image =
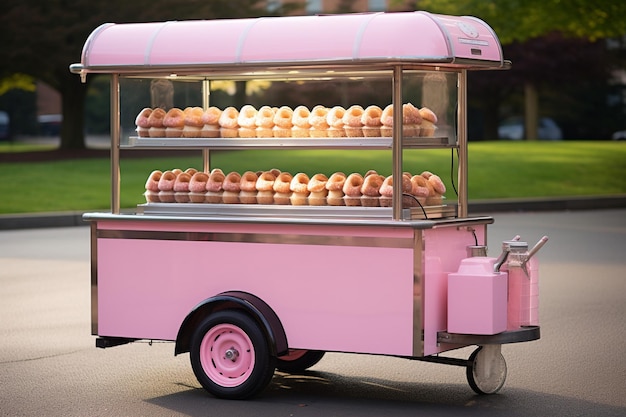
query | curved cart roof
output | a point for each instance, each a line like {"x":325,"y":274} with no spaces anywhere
{"x":295,"y":41}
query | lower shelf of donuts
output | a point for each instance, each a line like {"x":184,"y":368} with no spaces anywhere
{"x":195,"y":204}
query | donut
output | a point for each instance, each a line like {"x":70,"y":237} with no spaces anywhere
{"x":319,"y":124}
{"x":317,"y":190}
{"x":211,"y":122}
{"x":166,"y":187}
{"x":197,"y":187}
{"x":264,"y":122}
{"x":155,"y":120}
{"x":371,"y":121}
{"x":334,"y":118}
{"x":193,"y":122}
{"x":437,"y":184}
{"x":352,"y":189}
{"x":275,"y":172}
{"x":334,"y":185}
{"x":386,"y":121}
{"x":429,"y":121}
{"x":191,"y":171}
{"x":419,"y":188}
{"x":265,"y":188}
{"x":371,"y":190}
{"x":247,"y":121}
{"x":283,"y":122}
{"x":174,"y":122}
{"x":213,"y":187}
{"x":300,"y":121}
{"x":152,"y":187}
{"x":143,"y":126}
{"x":352,"y":121}
{"x":386,"y":190}
{"x":231,"y":187}
{"x":299,"y":189}
{"x":247,"y":187}
{"x":181,"y":188}
{"x":411,"y":120}
{"x":229,"y":128}
{"x":282,"y":188}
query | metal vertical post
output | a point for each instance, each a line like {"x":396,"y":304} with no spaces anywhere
{"x":462,"y":142}
{"x":396,"y":144}
{"x":115,"y":144}
{"x":206,"y":157}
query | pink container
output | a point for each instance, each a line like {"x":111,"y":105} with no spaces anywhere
{"x":523,"y":294}
{"x":477,"y":298}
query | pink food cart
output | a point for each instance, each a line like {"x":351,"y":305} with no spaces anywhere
{"x":250,"y":288}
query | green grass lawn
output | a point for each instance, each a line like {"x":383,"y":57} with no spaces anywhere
{"x":496,"y":170}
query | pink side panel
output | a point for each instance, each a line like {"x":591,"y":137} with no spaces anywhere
{"x":444,"y":248}
{"x":343,"y":298}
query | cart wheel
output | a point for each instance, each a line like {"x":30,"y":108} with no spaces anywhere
{"x":487,"y":370}
{"x":298,"y":360}
{"x":230,"y":355}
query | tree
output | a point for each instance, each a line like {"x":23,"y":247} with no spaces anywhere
{"x":43,"y":38}
{"x":527,"y":24}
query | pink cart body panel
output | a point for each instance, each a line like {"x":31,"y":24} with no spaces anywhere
{"x":334,"y":288}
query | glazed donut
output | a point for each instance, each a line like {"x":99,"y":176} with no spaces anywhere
{"x":174,"y":122}
{"x":152,"y":187}
{"x":411,"y":120}
{"x":264,"y":122}
{"x":247,"y":121}
{"x":317,"y":189}
{"x":197,"y":187}
{"x":419,"y":188}
{"x":429,"y":121}
{"x":191,"y":171}
{"x":193,"y":122}
{"x":275,"y":172}
{"x":438,"y":185}
{"x":229,"y":128}
{"x":300,"y":121}
{"x":215,"y":181}
{"x":283,"y":122}
{"x":211,"y":121}
{"x":181,"y":187}
{"x":265,"y":188}
{"x":300,"y":192}
{"x":155,"y":120}
{"x":352,"y":189}
{"x":143,"y":126}
{"x":352,"y":121}
{"x":152,"y":184}
{"x":282,"y":190}
{"x":386,"y":190}
{"x":247,"y":185}
{"x":166,"y":187}
{"x":334,"y":118}
{"x":371,"y":190}
{"x":336,"y":181}
{"x":386,"y":120}
{"x":371,"y":121}
{"x":426,"y":174}
{"x":231,"y":187}
{"x":319,"y":124}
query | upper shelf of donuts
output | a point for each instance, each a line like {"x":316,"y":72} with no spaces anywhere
{"x":290,"y":43}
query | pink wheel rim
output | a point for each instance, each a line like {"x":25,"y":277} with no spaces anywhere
{"x":293,"y":355}
{"x":227,"y":355}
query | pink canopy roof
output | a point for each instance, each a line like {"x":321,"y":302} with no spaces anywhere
{"x":408,"y":37}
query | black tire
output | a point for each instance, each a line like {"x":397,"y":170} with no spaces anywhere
{"x":484,"y":381}
{"x":230,"y":355}
{"x":298,"y":360}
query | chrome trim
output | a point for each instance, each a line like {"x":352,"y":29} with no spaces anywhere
{"x":289,"y":239}
{"x":462,"y":141}
{"x":94,"y":278}
{"x":418,"y":291}
{"x":115,"y":143}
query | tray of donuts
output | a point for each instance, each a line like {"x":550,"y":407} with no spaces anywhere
{"x":274,"y":187}
{"x":284,"y":122}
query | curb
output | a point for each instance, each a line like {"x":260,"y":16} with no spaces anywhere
{"x":75,"y":218}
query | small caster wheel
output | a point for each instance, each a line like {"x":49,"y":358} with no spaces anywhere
{"x":487,"y":370}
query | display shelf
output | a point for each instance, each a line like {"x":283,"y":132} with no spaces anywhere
{"x":289,"y":143}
